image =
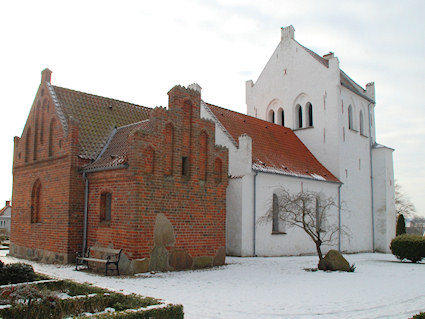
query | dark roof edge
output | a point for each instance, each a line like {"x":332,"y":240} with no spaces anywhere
{"x":106,"y":168}
{"x":354,"y":90}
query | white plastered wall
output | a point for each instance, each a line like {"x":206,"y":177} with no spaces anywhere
{"x":384,"y":200}
{"x":295,"y":241}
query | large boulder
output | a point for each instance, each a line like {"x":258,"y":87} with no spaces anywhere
{"x":334,"y":261}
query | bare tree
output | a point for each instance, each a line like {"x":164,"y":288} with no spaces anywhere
{"x":308,"y":211}
{"x":403,"y":205}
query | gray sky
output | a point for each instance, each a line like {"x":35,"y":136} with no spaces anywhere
{"x":136,"y":51}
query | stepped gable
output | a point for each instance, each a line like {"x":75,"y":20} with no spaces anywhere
{"x":275,"y":149}
{"x":114,"y":153}
{"x":97,"y":117}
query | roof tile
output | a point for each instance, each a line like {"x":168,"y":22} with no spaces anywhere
{"x":275,"y":148}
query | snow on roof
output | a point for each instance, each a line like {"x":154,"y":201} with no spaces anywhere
{"x":275,"y":149}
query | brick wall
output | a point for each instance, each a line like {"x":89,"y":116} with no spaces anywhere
{"x":154,"y":183}
{"x":46,"y":156}
{"x":175,"y":173}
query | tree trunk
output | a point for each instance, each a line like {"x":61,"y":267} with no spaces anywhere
{"x":320,"y":265}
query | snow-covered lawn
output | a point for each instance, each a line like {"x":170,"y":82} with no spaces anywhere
{"x":278,"y":287}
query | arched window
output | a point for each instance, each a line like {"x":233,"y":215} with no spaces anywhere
{"x":51,"y":136}
{"x":218,"y":170}
{"x":36,"y":202}
{"x":105,"y":206}
{"x":309,"y":114}
{"x":28,"y":145}
{"x":203,"y":155}
{"x":282,"y":117}
{"x":271,"y":116}
{"x":361,"y":123}
{"x":275,"y":209}
{"x":169,"y":149}
{"x":350,"y":117}
{"x":299,"y":116}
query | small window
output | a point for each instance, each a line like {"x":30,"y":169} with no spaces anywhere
{"x":361,"y":123}
{"x":105,"y":206}
{"x":299,"y":116}
{"x":36,"y":202}
{"x":310,"y":114}
{"x":271,"y":116}
{"x":282,"y":117}
{"x":185,"y":166}
{"x":275,"y":222}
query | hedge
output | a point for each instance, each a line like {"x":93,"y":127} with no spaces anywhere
{"x":408,"y":246}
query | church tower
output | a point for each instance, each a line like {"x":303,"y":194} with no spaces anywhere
{"x":334,"y":117}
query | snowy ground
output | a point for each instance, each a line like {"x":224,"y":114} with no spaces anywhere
{"x":278,"y":287}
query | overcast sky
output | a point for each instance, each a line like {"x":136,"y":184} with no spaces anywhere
{"x":136,"y":51}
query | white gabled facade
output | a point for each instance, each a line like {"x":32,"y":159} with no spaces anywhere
{"x":334,"y":117}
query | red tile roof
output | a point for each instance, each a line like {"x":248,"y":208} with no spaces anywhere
{"x":97,"y":116}
{"x":115,"y":151}
{"x":275,"y":148}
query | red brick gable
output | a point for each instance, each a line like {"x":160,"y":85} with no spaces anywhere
{"x":275,"y":148}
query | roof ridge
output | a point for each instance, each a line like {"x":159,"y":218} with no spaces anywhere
{"x":102,"y":97}
{"x":105,"y":147}
{"x":135,"y":123}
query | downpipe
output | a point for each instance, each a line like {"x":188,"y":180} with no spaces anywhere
{"x":255,"y":214}
{"x":86,"y":202}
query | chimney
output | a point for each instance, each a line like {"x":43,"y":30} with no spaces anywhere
{"x":370,"y":90}
{"x":328,"y":56}
{"x":287,"y":33}
{"x":7,"y":203}
{"x":46,"y":75}
{"x":196,"y":87}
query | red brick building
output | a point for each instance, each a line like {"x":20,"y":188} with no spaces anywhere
{"x":89,"y":170}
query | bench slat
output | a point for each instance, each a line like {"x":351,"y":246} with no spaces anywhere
{"x":93,"y":259}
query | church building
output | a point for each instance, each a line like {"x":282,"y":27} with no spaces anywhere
{"x":178,"y":188}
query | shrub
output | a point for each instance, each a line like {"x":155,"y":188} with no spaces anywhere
{"x":16,"y":273}
{"x":419,"y":316}
{"x":401,"y":225}
{"x":408,"y":246}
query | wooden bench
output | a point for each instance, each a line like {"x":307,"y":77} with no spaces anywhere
{"x":112,"y":258}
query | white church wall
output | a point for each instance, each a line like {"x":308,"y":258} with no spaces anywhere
{"x":384,"y":199}
{"x":355,"y":172}
{"x":289,"y":69}
{"x":295,"y":241}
